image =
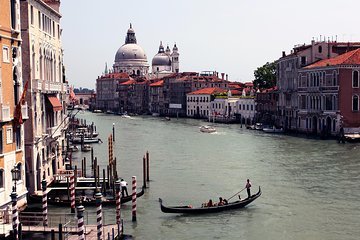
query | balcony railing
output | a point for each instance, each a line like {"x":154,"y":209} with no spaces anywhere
{"x":4,"y":113}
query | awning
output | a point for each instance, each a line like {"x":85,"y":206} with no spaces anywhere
{"x":55,"y":103}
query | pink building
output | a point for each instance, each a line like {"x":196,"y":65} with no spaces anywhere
{"x":328,"y":95}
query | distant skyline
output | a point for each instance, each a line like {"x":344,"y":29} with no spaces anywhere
{"x":234,"y":37}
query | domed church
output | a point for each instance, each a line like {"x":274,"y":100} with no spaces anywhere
{"x":165,"y":61}
{"x":130,"y":57}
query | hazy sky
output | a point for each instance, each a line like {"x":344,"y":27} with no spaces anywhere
{"x":231,"y":36}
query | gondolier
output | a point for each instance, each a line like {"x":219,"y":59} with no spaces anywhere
{"x":248,"y":186}
{"x":123,"y":184}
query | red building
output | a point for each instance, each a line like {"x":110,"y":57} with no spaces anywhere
{"x":328,"y":95}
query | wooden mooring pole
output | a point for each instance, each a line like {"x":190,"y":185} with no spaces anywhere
{"x":147,"y":166}
{"x":144,"y":172}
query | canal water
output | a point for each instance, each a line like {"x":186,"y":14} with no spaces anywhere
{"x":310,"y":188}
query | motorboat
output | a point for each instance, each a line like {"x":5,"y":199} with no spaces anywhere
{"x":258,"y":126}
{"x":207,"y":129}
{"x":273,"y":130}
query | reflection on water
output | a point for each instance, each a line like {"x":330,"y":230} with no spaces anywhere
{"x":310,"y":187}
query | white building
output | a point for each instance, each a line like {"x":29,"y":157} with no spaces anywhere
{"x":43,"y":67}
{"x":245,"y":107}
{"x":199,"y":102}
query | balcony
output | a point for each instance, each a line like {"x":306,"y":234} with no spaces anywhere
{"x":37,"y":84}
{"x":4,"y":113}
{"x":52,"y":86}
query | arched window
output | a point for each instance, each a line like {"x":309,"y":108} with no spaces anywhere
{"x":320,"y":49}
{"x":355,"y":81}
{"x":355,"y":103}
{"x":334,"y":79}
{"x":16,"y":85}
{"x":19,"y":167}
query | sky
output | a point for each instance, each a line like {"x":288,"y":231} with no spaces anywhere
{"x":230,"y":36}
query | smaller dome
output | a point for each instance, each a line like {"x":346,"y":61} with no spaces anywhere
{"x":161,"y":59}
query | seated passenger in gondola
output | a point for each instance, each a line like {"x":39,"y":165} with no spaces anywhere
{"x":210,"y":203}
{"x":221,"y":202}
{"x":225,"y":201}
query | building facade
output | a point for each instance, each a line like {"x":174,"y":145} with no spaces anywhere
{"x":328,"y":95}
{"x":43,"y":69}
{"x":287,"y":70}
{"x":12,"y":108}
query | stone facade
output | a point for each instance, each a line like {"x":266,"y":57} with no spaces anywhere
{"x":43,"y":68}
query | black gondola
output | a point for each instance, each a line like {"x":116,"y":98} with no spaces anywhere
{"x":201,"y":210}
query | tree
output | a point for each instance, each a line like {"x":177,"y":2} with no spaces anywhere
{"x":265,"y":76}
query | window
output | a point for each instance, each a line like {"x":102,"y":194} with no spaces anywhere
{"x":303,"y":60}
{"x":1,"y":141}
{"x":18,"y":137}
{"x":32,"y":14}
{"x":2,"y":178}
{"x":39,"y":19}
{"x":6,"y":57}
{"x":320,"y":49}
{"x":13,"y":14}
{"x":355,"y":82}
{"x":355,"y":103}
{"x":9,"y":135}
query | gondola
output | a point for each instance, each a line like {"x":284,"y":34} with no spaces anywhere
{"x":202,"y":210}
{"x":56,"y":201}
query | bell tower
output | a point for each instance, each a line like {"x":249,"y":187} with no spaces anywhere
{"x":175,"y":59}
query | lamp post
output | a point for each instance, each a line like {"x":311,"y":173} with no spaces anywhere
{"x":15,"y":175}
{"x":113,"y":132}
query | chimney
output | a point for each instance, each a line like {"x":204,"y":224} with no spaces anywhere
{"x":283,"y":54}
{"x":222,"y":76}
{"x":217,"y":74}
{"x":226,"y":77}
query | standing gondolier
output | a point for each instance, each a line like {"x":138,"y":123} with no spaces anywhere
{"x":123,"y":185}
{"x":248,"y":186}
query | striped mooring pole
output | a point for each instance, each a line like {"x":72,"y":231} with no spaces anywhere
{"x":72,"y":192}
{"x":134,"y":199}
{"x":13,"y":196}
{"x":118,"y":202}
{"x":44,"y":203}
{"x":98,"y":197}
{"x":80,"y":216}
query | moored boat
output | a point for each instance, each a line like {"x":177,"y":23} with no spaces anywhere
{"x":201,"y":210}
{"x":273,"y":130}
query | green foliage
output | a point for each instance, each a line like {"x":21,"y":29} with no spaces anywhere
{"x":265,"y":76}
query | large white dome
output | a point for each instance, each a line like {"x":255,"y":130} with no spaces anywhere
{"x":130,"y":51}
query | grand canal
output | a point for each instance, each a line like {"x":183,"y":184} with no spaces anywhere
{"x":310,"y":187}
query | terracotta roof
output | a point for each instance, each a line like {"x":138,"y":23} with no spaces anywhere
{"x":208,"y":91}
{"x":131,"y":81}
{"x":235,"y":92}
{"x":349,"y":58}
{"x":157,"y":84}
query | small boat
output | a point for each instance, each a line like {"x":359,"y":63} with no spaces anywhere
{"x":202,"y":210}
{"x":86,"y":148}
{"x":73,"y":148}
{"x":258,"y":126}
{"x":273,"y":130}
{"x":86,"y":140}
{"x":167,"y":118}
{"x":207,"y":129}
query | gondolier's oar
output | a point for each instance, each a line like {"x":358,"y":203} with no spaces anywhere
{"x":236,"y":194}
